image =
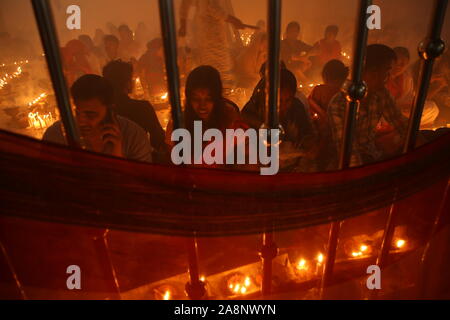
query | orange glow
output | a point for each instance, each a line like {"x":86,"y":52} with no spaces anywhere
{"x":301,"y":265}
{"x":320,"y":258}
{"x":400,"y":243}
{"x":166,"y":295}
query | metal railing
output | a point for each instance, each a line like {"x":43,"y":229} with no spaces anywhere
{"x":429,"y":50}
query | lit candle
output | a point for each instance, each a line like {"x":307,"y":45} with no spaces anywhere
{"x":166,"y":295}
{"x":400,"y":243}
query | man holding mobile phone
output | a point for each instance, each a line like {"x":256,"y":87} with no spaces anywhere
{"x":101,"y":130}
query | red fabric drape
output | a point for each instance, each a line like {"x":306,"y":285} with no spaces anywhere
{"x":48,"y":182}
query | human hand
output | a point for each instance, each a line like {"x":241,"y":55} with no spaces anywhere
{"x":112,"y":139}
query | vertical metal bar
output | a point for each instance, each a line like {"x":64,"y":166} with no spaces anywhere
{"x":195,"y":288}
{"x":429,"y":50}
{"x":19,"y":287}
{"x":49,"y":38}
{"x":426,"y":251}
{"x":168,"y":32}
{"x":355,"y":94}
{"x":103,"y":254}
{"x":269,"y":249}
{"x":273,"y":63}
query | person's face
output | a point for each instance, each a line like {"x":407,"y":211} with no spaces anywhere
{"x":376,"y":79}
{"x":111,"y":48}
{"x":400,"y":66}
{"x":90,"y":114}
{"x":126,"y":35}
{"x":330,"y":36}
{"x":286,"y":99}
{"x":292,"y":33}
{"x":160,"y":52}
{"x":202,"y":103}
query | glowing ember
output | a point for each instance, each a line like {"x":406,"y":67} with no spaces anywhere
{"x":357,"y":254}
{"x":4,"y":80}
{"x":239,"y":284}
{"x":166,"y":295}
{"x":400,"y":243}
{"x":202,"y":278}
{"x":38,"y":121}
{"x":38,"y":99}
{"x":320,"y":258}
{"x":363,"y":248}
{"x":301,"y":265}
{"x":164,"y":96}
{"x":246,"y":38}
{"x":345,"y":55}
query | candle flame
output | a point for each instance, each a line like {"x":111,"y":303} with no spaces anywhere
{"x":320,"y":258}
{"x":302,"y":264}
{"x":400,"y":243}
{"x":166,"y":295}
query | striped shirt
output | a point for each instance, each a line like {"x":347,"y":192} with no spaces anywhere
{"x":376,"y":106}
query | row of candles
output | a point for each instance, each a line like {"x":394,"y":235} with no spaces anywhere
{"x":16,"y":63}
{"x":8,"y":77}
{"x":242,"y":284}
{"x":37,"y":120}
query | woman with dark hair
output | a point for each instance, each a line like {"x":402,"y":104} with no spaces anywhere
{"x":205,"y":102}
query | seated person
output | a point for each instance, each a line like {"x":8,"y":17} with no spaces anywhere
{"x":299,"y":134}
{"x":295,"y":53}
{"x":334,"y":75}
{"x":129,"y":48}
{"x":100,"y":129}
{"x":401,"y":87}
{"x":205,"y":103}
{"x":111,"y":48}
{"x":249,"y":61}
{"x":120,"y":75}
{"x":327,"y":49}
{"x":151,"y":69}
{"x":440,"y":89}
{"x":293,"y":115}
{"x":377,"y":104}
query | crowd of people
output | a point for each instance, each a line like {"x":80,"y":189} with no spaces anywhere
{"x":101,"y":73}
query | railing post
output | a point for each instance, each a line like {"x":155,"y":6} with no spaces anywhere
{"x":19,"y":288}
{"x":429,"y":50}
{"x":356,"y":92}
{"x":194,"y":288}
{"x":269,"y":249}
{"x":49,"y":38}
{"x":168,"y":31}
